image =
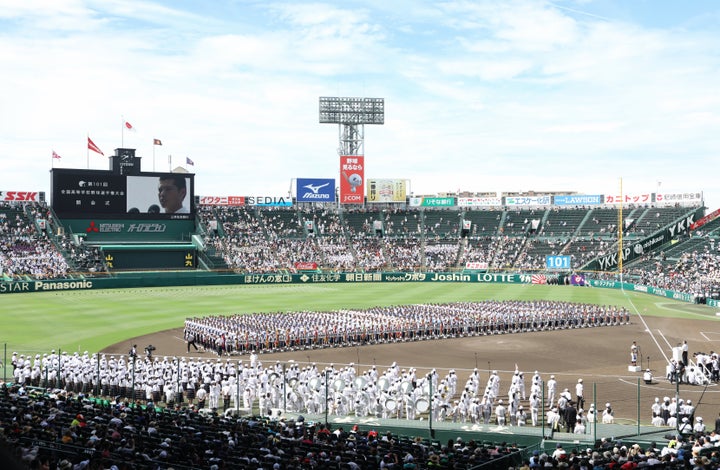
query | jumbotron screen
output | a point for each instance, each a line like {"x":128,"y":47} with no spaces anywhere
{"x":83,"y":194}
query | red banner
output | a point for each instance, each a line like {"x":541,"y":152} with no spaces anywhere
{"x":24,"y":196}
{"x":708,"y":218}
{"x":352,"y":179}
{"x":222,"y":200}
{"x":305,"y":266}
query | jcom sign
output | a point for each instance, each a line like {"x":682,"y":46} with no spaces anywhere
{"x":352,"y":179}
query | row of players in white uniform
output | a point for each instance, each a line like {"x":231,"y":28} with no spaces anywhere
{"x":392,"y":393}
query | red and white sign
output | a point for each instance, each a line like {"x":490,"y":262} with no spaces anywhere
{"x":222,"y":200}
{"x":479,"y":202}
{"x":476,"y":265}
{"x":352,"y":179}
{"x":708,"y":218}
{"x":24,"y":196}
{"x":625,"y":199}
{"x":305,"y":266}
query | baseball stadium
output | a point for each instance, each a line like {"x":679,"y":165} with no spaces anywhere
{"x":355,"y":326}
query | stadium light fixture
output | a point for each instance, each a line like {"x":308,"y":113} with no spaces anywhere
{"x":351,"y":114}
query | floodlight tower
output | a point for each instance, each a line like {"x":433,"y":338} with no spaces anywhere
{"x":351,"y":115}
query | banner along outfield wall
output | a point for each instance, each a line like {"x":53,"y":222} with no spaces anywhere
{"x":199,"y":278}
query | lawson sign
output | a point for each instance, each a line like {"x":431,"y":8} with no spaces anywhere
{"x":578,"y":200}
{"x":315,"y":190}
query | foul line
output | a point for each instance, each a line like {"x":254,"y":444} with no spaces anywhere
{"x":637,"y":312}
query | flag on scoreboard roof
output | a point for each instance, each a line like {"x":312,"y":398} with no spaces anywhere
{"x":157,"y":142}
{"x":538,"y":279}
{"x":189,"y":162}
{"x":129,"y":126}
{"x":55,"y":155}
{"x":93,"y":147}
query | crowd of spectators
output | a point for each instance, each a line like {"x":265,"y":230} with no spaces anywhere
{"x":279,"y":239}
{"x":28,"y":248}
{"x":68,"y":431}
{"x":696,"y":273}
{"x":24,"y":250}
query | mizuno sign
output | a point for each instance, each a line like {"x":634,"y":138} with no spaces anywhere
{"x":315,"y":190}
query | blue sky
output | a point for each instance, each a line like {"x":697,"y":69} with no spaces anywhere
{"x":506,"y":95}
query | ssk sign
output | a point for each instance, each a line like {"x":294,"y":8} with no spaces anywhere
{"x":25,"y":196}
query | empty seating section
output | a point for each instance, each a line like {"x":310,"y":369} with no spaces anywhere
{"x":562,"y":222}
{"x":360,"y":222}
{"x":401,"y":223}
{"x":325,"y":222}
{"x":282,"y":222}
{"x":601,"y":222}
{"x":442,"y":223}
{"x":654,"y":218}
{"x":518,"y":222}
{"x":483,"y":223}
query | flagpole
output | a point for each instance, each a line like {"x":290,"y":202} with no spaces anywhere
{"x":122,"y":131}
{"x":87,"y":151}
{"x":153,"y":154}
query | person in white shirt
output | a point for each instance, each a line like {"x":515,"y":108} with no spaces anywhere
{"x":500,"y":413}
{"x":579,"y":394}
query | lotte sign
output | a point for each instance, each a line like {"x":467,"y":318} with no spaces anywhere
{"x":352,"y":179}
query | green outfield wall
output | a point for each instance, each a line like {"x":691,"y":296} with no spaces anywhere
{"x":199,"y":278}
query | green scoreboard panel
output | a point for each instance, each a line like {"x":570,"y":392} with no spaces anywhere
{"x":150,"y":259}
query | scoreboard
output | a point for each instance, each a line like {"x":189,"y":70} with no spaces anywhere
{"x":87,"y":194}
{"x":126,"y":259}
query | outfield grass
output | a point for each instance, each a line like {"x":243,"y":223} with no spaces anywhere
{"x":92,"y":320}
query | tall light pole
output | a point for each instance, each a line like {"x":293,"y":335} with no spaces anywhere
{"x":351,"y":115}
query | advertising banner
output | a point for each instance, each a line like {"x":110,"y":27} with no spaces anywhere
{"x":476,"y":265}
{"x":527,"y":200}
{"x":479,"y":202}
{"x":641,"y":198}
{"x":432,"y":201}
{"x":222,"y":201}
{"x":269,"y":201}
{"x":386,"y":190}
{"x":671,"y":199}
{"x":635,"y":250}
{"x":22,"y":196}
{"x":315,"y":190}
{"x":137,"y":230}
{"x":352,"y":179}
{"x":708,"y":218}
{"x":306,"y":266}
{"x":578,"y":200}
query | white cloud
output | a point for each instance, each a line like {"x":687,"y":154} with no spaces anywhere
{"x":491,"y":94}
